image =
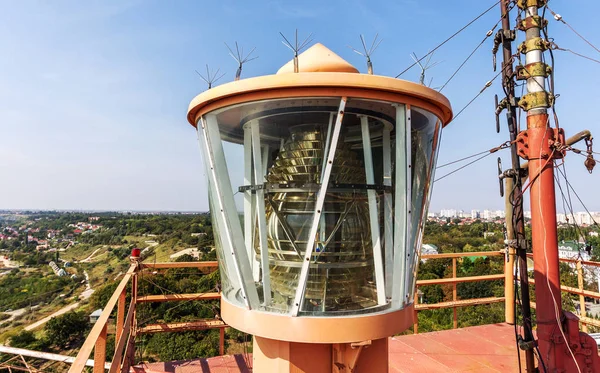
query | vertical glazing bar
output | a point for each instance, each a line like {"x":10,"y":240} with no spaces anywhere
{"x":388,"y":208}
{"x":260,"y":210}
{"x":265,"y":160}
{"x":327,"y":139}
{"x":310,"y":244}
{"x":249,"y":215}
{"x":211,"y":196}
{"x":401,"y":205}
{"x":373,"y":214}
{"x":409,"y":275}
{"x":227,"y":219}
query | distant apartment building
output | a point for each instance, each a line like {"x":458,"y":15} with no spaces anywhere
{"x":449,"y":213}
{"x":475,"y":214}
{"x":573,"y":250}
{"x":429,"y":249}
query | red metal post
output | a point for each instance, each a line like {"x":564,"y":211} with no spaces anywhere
{"x":544,"y":238}
{"x":562,"y":347}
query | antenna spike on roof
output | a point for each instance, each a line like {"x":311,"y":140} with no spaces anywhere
{"x":296,"y":48}
{"x":210,"y":78}
{"x":368,"y":51}
{"x":240,"y":58}
{"x":427,"y":64}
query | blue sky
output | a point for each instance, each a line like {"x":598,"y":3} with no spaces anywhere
{"x":94,"y":94}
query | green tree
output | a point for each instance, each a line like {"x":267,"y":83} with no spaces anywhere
{"x":64,"y":330}
{"x":23,"y":340}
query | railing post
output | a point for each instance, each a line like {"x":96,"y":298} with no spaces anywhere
{"x":581,"y":297}
{"x":120,"y":314}
{"x":415,"y":312}
{"x":100,"y":351}
{"x":221,"y":341}
{"x":455,"y":317}
{"x":134,"y":296}
{"x":509,"y":286}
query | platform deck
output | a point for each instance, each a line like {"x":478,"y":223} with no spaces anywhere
{"x":486,"y":348}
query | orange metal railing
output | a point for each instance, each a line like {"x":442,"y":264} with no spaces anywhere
{"x":454,"y":280}
{"x":509,"y":297}
{"x":127,"y":328}
{"x":126,"y":325}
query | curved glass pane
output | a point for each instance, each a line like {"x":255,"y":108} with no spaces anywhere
{"x":302,"y":199}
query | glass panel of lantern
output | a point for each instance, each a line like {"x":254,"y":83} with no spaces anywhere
{"x":323,"y":191}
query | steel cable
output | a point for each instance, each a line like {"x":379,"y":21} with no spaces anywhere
{"x":448,"y":39}
{"x":559,"y":18}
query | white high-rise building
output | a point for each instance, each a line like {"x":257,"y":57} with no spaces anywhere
{"x":448,"y":213}
{"x":475,"y":214}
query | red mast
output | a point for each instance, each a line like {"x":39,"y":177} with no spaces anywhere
{"x":562,"y":347}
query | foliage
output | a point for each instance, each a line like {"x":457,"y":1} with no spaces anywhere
{"x":65,"y":330}
{"x":102,"y":295}
{"x":184,"y":345}
{"x":455,"y":238}
{"x":18,"y":289}
{"x":27,"y":339}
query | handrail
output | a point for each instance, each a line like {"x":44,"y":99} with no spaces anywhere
{"x":570,"y":260}
{"x":208,"y":264}
{"x":100,"y":327}
{"x":122,"y":339}
{"x":177,"y":297}
{"x":126,"y":326}
{"x":461,"y":255}
{"x":455,"y":303}
{"x":454,"y":280}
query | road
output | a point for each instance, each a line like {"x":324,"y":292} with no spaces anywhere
{"x":57,"y":313}
{"x":89,"y":258}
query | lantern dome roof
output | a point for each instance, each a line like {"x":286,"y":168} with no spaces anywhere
{"x":318,"y":58}
{"x":322,"y":73}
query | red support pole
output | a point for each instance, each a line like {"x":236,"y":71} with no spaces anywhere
{"x":544,"y":238}
{"x":562,"y":347}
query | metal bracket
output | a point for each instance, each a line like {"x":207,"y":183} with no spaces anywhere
{"x":500,"y":177}
{"x":523,"y":4}
{"x":556,"y":140}
{"x":533,"y":44}
{"x":309,"y":187}
{"x":505,"y":103}
{"x":346,"y":356}
{"x":536,"y":100}
{"x":531,"y":22}
{"x":526,"y":345}
{"x":533,"y":69}
{"x":502,"y":37}
{"x":516,"y":243}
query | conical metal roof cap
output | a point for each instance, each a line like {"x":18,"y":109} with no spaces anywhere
{"x":318,"y":58}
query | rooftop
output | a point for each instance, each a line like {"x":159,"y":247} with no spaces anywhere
{"x":486,"y":348}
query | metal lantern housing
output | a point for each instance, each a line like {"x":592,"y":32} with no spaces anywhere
{"x":319,"y":183}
